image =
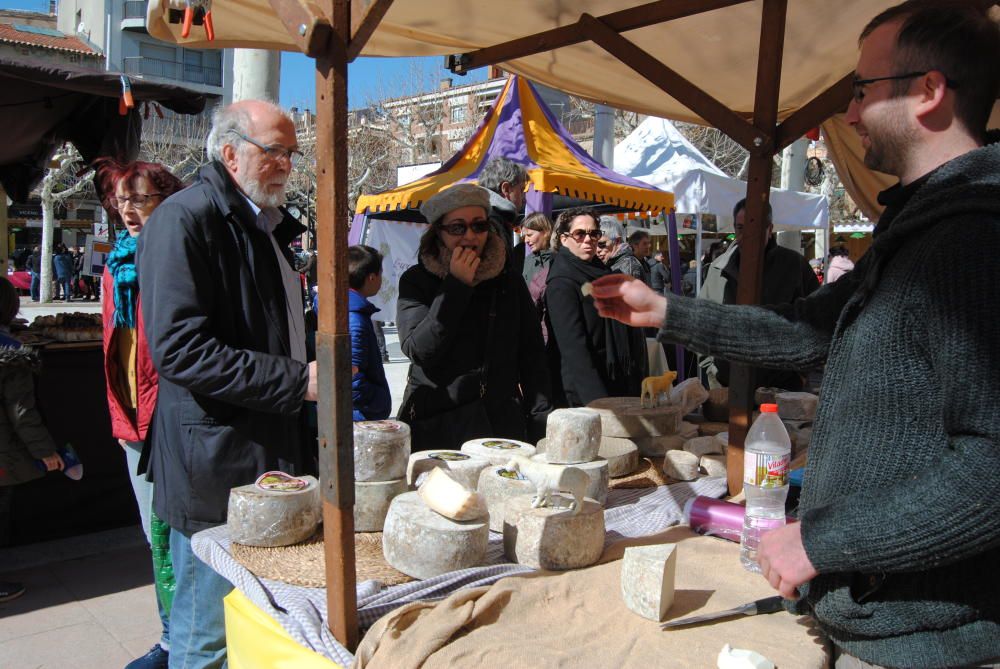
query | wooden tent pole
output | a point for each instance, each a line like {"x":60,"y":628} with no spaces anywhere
{"x":765,"y":117}
{"x":333,"y":341}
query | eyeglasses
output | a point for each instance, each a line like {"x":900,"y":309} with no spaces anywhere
{"x":139,"y":201}
{"x":603,"y":245}
{"x":858,"y":85}
{"x":578,"y":235}
{"x":274,"y":152}
{"x":459,"y":229}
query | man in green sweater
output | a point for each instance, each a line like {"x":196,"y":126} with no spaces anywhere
{"x":897,"y":552}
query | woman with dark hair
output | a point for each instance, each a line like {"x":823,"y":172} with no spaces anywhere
{"x":599,"y":357}
{"x":130,"y":193}
{"x":470,"y":331}
{"x":840,"y":263}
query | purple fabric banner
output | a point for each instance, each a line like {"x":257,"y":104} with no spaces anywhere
{"x":537,"y":201}
{"x":358,"y":225}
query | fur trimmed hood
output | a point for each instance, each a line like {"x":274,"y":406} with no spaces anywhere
{"x":492,"y":261}
{"x":24,"y":358}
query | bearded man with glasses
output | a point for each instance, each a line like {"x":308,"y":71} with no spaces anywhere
{"x":223,"y":314}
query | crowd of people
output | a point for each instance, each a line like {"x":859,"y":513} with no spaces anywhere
{"x":208,"y":369}
{"x":69,"y":280}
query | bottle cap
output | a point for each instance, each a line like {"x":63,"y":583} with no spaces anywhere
{"x":769,"y":408}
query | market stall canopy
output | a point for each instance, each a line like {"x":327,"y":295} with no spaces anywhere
{"x":46,"y":104}
{"x":658,"y":154}
{"x":714,"y":49}
{"x":520,"y":127}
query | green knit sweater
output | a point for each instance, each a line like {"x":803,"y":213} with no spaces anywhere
{"x":900,"y":507}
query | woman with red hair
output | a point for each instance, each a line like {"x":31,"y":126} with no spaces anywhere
{"x":130,"y":193}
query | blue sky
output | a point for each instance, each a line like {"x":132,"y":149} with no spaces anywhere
{"x":369,"y":79}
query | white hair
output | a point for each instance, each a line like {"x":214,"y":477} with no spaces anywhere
{"x":232,"y":118}
{"x":612,"y":229}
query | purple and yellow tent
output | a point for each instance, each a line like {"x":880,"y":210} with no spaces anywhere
{"x":520,"y":127}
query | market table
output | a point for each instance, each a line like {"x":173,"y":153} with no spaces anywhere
{"x":264,"y":614}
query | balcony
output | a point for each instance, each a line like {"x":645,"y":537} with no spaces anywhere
{"x":134,"y":15}
{"x":168,"y":69}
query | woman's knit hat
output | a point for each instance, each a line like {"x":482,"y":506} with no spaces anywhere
{"x":455,"y":197}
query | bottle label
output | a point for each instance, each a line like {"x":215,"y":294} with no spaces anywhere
{"x":765,"y":470}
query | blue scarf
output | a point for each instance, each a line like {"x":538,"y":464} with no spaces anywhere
{"x":121,"y":265}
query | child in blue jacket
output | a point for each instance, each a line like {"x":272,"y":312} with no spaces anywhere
{"x":369,"y":387}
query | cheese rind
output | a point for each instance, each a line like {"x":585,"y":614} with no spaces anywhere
{"x":257,"y":517}
{"x":371,"y":502}
{"x":497,"y":450}
{"x":422,"y":543}
{"x":680,"y":465}
{"x":572,"y":435}
{"x":622,"y":456}
{"x":713,"y":465}
{"x":551,"y":537}
{"x":450,"y":498}
{"x":626,"y":417}
{"x":797,"y":406}
{"x":462,"y":467}
{"x":648,"y":579}
{"x":381,"y":450}
{"x":703,"y":446}
{"x":497,"y":485}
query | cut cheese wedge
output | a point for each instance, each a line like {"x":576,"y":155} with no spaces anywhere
{"x":451,"y":499}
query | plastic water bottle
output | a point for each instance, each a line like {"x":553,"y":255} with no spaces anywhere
{"x":765,"y":481}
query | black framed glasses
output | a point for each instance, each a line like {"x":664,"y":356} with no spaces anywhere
{"x":274,"y":152}
{"x":578,"y":235}
{"x":603,"y":245}
{"x":139,"y":200}
{"x":459,"y":229}
{"x":858,"y":85}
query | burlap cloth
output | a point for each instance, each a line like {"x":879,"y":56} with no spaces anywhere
{"x":577,"y":620}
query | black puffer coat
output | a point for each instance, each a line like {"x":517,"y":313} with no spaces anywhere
{"x":443,"y":326}
{"x":23,"y":436}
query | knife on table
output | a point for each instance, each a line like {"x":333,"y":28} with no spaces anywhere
{"x":766,"y":605}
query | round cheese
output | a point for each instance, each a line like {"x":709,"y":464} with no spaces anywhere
{"x":681,"y":465}
{"x":497,"y":450}
{"x":626,"y":417}
{"x":462,"y":467}
{"x":656,"y":447}
{"x":258,"y":517}
{"x":498,"y":485}
{"x":553,"y":537}
{"x":596,"y":470}
{"x":622,"y":456}
{"x":572,"y":435}
{"x":371,"y":502}
{"x":422,"y":543}
{"x":381,"y":449}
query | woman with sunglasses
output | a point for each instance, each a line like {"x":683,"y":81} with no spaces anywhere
{"x":130,"y":193}
{"x":470,"y":331}
{"x":598,"y":357}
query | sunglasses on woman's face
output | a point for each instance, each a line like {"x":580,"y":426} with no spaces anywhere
{"x":458,"y":229}
{"x":578,"y":235}
{"x":603,"y":245}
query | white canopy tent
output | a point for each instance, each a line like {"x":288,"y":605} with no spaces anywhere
{"x":658,"y":154}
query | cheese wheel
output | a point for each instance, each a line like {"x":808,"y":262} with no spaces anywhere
{"x":681,"y":465}
{"x":497,"y":485}
{"x":381,"y":450}
{"x":371,"y":502}
{"x":497,"y":450}
{"x":626,"y":417}
{"x":462,"y":467}
{"x":552,"y":537}
{"x":656,"y":447}
{"x":572,"y":435}
{"x":258,"y":517}
{"x":622,"y":456}
{"x":422,"y":543}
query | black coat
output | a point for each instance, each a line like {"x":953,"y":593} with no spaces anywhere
{"x":582,"y":336}
{"x":443,"y":327}
{"x":215,"y":316}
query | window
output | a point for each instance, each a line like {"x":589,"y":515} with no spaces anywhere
{"x":457,"y":114}
{"x":456,"y":145}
